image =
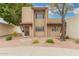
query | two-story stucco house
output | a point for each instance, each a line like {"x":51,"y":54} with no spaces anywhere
{"x":35,"y":22}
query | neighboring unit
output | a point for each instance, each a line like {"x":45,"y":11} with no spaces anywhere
{"x":6,"y":29}
{"x":73,"y":27}
{"x":35,"y":22}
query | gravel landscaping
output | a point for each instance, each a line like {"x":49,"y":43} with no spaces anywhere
{"x":26,"y":41}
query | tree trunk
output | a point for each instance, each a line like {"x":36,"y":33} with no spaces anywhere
{"x":63,"y":30}
{"x":21,"y":27}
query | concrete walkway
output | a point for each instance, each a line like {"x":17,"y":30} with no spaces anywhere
{"x":38,"y":51}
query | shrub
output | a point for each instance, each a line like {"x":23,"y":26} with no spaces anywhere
{"x":14,"y":33}
{"x":49,"y":40}
{"x":8,"y":38}
{"x":35,"y":41}
{"x":77,"y":41}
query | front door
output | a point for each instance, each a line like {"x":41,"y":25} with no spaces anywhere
{"x":26,"y":30}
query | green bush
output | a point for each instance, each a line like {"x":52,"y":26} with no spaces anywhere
{"x":35,"y":41}
{"x":8,"y":38}
{"x":49,"y":40}
{"x":14,"y":33}
{"x":77,"y":41}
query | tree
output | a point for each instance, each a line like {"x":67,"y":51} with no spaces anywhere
{"x":11,"y":12}
{"x":61,"y":9}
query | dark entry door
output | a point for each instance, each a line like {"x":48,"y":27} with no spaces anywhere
{"x":26,"y":30}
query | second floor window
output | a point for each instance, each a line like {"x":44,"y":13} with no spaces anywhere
{"x":39,"y":15}
{"x":38,"y":29}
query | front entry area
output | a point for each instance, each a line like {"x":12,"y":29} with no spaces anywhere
{"x":26,"y":32}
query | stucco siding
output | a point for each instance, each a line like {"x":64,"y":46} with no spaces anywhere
{"x":73,"y":27}
{"x":31,"y":31}
{"x":40,"y":22}
{"x":53,"y":33}
{"x":6,"y":29}
{"x":27,"y":15}
{"x":39,"y":34}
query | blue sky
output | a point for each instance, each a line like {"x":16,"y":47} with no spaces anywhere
{"x":70,"y":14}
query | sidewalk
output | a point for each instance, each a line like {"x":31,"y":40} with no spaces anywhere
{"x":38,"y":51}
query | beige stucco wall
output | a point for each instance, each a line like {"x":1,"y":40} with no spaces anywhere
{"x":17,"y":29}
{"x":40,"y":34}
{"x":6,"y":29}
{"x":27,"y":15}
{"x":38,"y":23}
{"x":31,"y":30}
{"x":41,"y":22}
{"x":73,"y":27}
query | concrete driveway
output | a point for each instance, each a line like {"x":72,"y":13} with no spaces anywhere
{"x":38,"y":51}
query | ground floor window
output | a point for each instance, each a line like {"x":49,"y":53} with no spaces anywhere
{"x":56,"y":28}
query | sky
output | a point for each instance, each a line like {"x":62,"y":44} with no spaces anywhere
{"x":50,"y":15}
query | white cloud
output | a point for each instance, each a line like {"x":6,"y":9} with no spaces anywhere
{"x":38,"y":6}
{"x":76,"y":11}
{"x":50,"y":13}
{"x":46,"y":6}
